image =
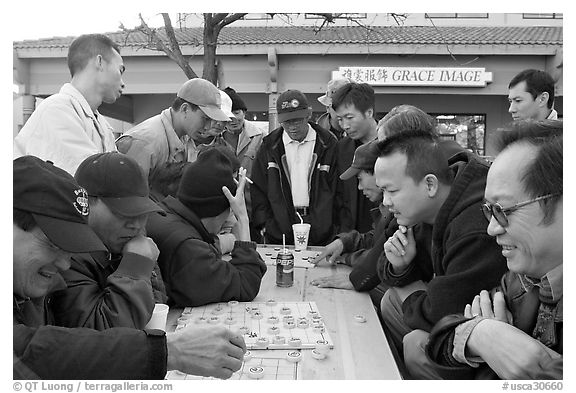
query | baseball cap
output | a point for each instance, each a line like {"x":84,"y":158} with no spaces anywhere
{"x":118,"y":181}
{"x":365,"y":157}
{"x":205,"y":95}
{"x":292,"y":104}
{"x":57,"y":203}
{"x":226,"y":104}
{"x":332,"y":86}
{"x":237,"y":101}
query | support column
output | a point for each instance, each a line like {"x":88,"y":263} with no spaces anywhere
{"x":272,"y":89}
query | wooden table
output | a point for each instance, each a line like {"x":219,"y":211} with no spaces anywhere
{"x":360,"y":349}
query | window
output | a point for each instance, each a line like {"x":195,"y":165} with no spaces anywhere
{"x":456,"y":16}
{"x":542,"y":16}
{"x":257,"y":17}
{"x":337,"y":16}
{"x":467,"y":130}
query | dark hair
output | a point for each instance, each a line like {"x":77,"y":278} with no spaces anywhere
{"x":361,"y":95}
{"x":23,"y":219}
{"x":87,"y":46}
{"x":165,"y":180}
{"x":404,"y":118}
{"x":537,"y":82}
{"x":177,"y":104}
{"x":543,"y":174}
{"x":423,"y":154}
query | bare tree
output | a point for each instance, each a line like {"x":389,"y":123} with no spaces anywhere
{"x":213,"y":25}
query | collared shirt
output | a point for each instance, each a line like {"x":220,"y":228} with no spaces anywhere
{"x":553,"y":115}
{"x":153,"y":143}
{"x":299,"y":157}
{"x":551,"y":280}
{"x":64,"y":130}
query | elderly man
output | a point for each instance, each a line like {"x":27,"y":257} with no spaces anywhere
{"x":295,"y":172}
{"x":114,"y":290}
{"x":66,"y":127}
{"x":531,"y":96}
{"x":50,"y":224}
{"x":171,"y":136}
{"x":515,"y":332}
{"x":191,"y":263}
{"x":442,"y":238}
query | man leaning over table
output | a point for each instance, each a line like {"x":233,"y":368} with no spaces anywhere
{"x":516,"y":330}
{"x":442,"y":240}
{"x":191,"y":263}
{"x":50,"y":225}
{"x":67,"y":127}
{"x":116,"y":289}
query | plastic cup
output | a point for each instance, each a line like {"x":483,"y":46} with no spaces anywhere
{"x":301,"y":233}
{"x":159,"y":317}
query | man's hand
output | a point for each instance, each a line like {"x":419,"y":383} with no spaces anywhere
{"x":238,"y":206}
{"x":510,"y":352}
{"x":340,"y":281}
{"x":142,"y":245}
{"x":331,"y":252}
{"x":483,"y":306}
{"x":400,"y":248}
{"x":209,"y":352}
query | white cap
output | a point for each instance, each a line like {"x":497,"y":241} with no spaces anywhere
{"x":226,"y":105}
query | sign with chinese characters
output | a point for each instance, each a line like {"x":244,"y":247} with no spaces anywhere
{"x":416,"y":76}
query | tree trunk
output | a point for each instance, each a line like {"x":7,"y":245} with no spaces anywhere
{"x":210,"y":43}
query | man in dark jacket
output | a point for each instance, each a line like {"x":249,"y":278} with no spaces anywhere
{"x":517,"y":332}
{"x":437,"y":202}
{"x":50,"y":224}
{"x":295,"y":172}
{"x":113,"y":290}
{"x":192,"y":266}
{"x":329,"y":120}
{"x":354,"y":105}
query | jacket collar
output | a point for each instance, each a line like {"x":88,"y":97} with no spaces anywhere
{"x":70,"y":90}
{"x":178,"y":208}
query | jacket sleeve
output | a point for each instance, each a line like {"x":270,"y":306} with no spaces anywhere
{"x":139,"y":150}
{"x":471,"y":263}
{"x":261,"y":209}
{"x":122,"y":299}
{"x":198,"y":275}
{"x":51,"y":352}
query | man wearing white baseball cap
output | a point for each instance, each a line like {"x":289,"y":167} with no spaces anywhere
{"x":163,"y":138}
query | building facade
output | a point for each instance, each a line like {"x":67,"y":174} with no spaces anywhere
{"x":454,"y":66}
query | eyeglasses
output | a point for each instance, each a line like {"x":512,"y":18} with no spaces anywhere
{"x":501,"y":214}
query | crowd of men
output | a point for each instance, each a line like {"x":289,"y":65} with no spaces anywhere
{"x":462,"y":257}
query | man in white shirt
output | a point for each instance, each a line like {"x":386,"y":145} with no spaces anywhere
{"x":295,"y":172}
{"x":66,"y":127}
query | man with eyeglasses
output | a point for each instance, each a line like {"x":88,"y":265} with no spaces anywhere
{"x":295,"y":175}
{"x":516,"y":330}
{"x":67,"y":127}
{"x":195,"y":117}
{"x":441,"y":255}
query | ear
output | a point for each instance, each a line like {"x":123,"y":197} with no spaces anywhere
{"x":431,"y":184}
{"x":544,"y":97}
{"x":99,"y":62}
{"x":369,"y":113}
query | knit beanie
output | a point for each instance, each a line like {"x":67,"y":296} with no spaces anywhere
{"x":237,"y":102}
{"x":200,"y":188}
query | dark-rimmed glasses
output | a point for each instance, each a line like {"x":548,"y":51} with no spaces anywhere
{"x":501,"y":213}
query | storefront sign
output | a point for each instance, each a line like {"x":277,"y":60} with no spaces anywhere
{"x":416,"y":76}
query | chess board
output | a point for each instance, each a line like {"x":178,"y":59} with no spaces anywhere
{"x":265,"y":325}
{"x":270,"y":252}
{"x":274,"y":364}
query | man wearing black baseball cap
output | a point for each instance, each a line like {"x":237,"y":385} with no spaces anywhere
{"x":295,"y":172}
{"x":50,"y":224}
{"x":114,"y":291}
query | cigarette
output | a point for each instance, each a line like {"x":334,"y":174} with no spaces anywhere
{"x":249,"y":180}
